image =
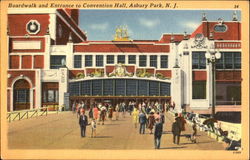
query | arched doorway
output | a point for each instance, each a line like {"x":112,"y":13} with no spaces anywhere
{"x":21,"y":99}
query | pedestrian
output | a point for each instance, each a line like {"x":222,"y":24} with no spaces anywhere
{"x":91,"y":113}
{"x":117,"y":108}
{"x":176,"y":130}
{"x":110,"y":111}
{"x":74,"y":107}
{"x":142,"y":121}
{"x":158,"y":133}
{"x":95,"y":113}
{"x":93,"y":127}
{"x":135,"y":115}
{"x":151,"y":122}
{"x":162,"y":117}
{"x":183,"y":122}
{"x":194,"y":132}
{"x":103,"y":114}
{"x":83,"y":122}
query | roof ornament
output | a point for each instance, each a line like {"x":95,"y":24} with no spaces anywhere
{"x":70,"y":38}
{"x":204,"y":16}
{"x":172,"y":38}
{"x":185,"y":35}
{"x":220,"y":21}
{"x":235,"y":18}
{"x":121,"y":33}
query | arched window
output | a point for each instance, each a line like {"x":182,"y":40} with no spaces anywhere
{"x":21,"y":95}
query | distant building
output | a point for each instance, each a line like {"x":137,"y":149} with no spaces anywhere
{"x":51,"y":62}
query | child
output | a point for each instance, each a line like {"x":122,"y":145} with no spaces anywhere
{"x":93,"y":127}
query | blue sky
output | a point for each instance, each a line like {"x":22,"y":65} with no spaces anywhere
{"x":145,"y":24}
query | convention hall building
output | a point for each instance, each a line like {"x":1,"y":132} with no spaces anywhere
{"x":52,"y":63}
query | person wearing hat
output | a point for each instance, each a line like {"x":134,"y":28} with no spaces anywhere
{"x":83,"y":122}
{"x":158,"y":133}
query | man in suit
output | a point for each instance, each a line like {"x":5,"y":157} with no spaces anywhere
{"x":83,"y":122}
{"x":158,"y":133}
{"x":176,"y":130}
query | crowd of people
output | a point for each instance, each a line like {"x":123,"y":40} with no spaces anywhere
{"x":150,"y":115}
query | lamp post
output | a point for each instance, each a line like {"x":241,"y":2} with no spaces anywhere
{"x":212,"y":56}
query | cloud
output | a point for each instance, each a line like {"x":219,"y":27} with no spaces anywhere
{"x":99,"y":26}
{"x":149,"y":23}
{"x":191,"y":25}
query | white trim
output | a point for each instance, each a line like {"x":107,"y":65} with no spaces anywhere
{"x":71,"y":28}
{"x":137,"y":78}
{"x":27,"y":37}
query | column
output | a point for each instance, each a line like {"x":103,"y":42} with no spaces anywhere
{"x":63,"y":86}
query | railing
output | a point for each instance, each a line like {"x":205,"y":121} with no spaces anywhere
{"x":26,"y":114}
{"x":233,"y":129}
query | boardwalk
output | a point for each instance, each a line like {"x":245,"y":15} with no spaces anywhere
{"x":62,"y":132}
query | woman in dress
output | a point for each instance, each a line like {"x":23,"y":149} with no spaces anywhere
{"x":151,"y":122}
{"x":135,"y":115}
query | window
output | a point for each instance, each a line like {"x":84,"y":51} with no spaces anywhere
{"x":220,"y":28}
{"x":164,"y":61}
{"x":88,"y":60}
{"x":57,"y":62}
{"x":22,"y":95}
{"x":153,"y":61}
{"x":198,"y":60}
{"x":96,"y":87}
{"x":107,"y":87}
{"x":153,"y":88}
{"x":142,"y":61}
{"x":74,"y":89}
{"x":99,"y":60}
{"x":164,"y":89}
{"x":110,"y":59}
{"x":116,"y":87}
{"x":77,"y":61}
{"x":237,"y":60}
{"x":119,"y":87}
{"x":121,"y":59}
{"x":199,"y":89}
{"x":131,"y":87}
{"x":142,"y":88}
{"x":229,"y":60}
{"x":50,"y":96}
{"x":86,"y":88}
{"x":131,"y":59}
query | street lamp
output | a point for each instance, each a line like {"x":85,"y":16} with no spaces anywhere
{"x":212,"y":56}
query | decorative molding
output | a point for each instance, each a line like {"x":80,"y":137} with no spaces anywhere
{"x":120,"y":71}
{"x":33,"y":27}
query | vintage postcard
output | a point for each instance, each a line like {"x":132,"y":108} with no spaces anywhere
{"x":124,"y":79}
